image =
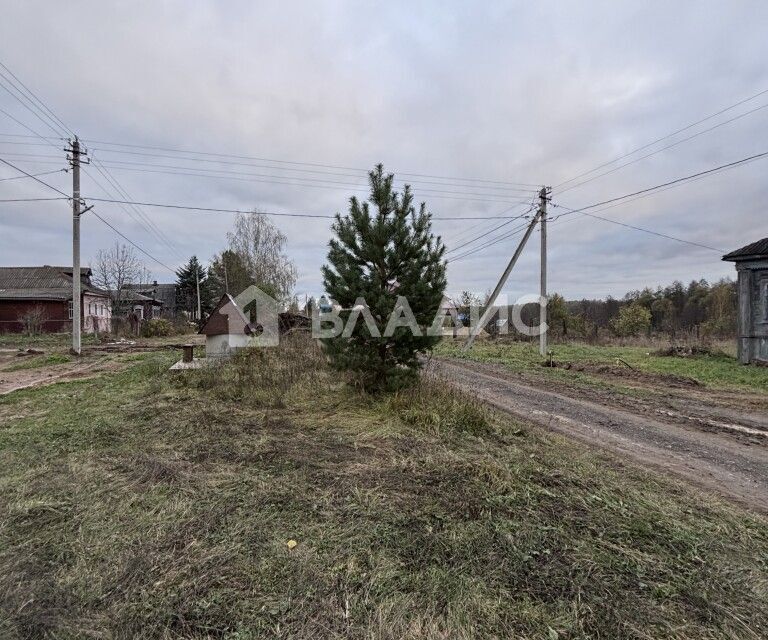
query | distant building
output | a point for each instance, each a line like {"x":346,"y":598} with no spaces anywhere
{"x":47,"y":291}
{"x":164,"y":294}
{"x":752,"y":269}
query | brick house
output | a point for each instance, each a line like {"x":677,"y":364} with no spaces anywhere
{"x":48,"y":290}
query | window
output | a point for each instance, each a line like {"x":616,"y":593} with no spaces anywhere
{"x":69,"y":310}
{"x":765,"y":301}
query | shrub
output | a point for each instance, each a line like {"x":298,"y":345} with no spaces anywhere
{"x":157,"y":327}
{"x":33,"y":320}
{"x":633,"y":320}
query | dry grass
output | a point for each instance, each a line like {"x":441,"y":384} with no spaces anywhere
{"x":142,"y":505}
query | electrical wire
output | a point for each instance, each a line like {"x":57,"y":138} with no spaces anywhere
{"x":644,"y":230}
{"x":272,"y":213}
{"x":335,"y":186}
{"x":666,"y":137}
{"x":717,"y":169}
{"x":669,"y":146}
{"x":24,"y":104}
{"x":131,"y":242}
{"x":39,"y":101}
{"x":356,"y":176}
{"x":506,"y":236}
{"x":307,"y":164}
{"x":487,"y":233}
{"x":31,"y":199}
{"x":35,"y":178}
{"x":34,"y":175}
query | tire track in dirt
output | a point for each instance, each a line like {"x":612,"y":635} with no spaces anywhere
{"x":722,"y":462}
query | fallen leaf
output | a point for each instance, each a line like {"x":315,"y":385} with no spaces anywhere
{"x":291,"y":544}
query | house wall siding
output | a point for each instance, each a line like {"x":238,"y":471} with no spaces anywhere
{"x":56,"y":311}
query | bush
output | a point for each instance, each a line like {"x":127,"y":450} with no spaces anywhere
{"x":157,"y":327}
{"x":33,"y":320}
{"x":633,"y":320}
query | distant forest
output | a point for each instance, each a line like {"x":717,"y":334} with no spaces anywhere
{"x":699,"y":310}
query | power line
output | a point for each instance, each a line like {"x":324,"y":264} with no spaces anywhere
{"x":39,"y":101}
{"x":357,"y":176}
{"x":34,"y":175}
{"x":643,"y":229}
{"x":677,"y":180}
{"x":308,"y":164}
{"x":140,"y":217}
{"x":669,"y":146}
{"x":131,"y":242}
{"x":271,"y":213}
{"x":501,"y":238}
{"x":22,"y":103}
{"x":669,"y":135}
{"x":489,"y":232}
{"x":35,"y":178}
{"x":336,"y":187}
{"x":31,"y":199}
{"x":36,"y":134}
{"x":297,"y":180}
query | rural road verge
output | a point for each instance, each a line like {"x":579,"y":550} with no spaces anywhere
{"x":720,"y":461}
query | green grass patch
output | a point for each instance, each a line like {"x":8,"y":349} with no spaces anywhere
{"x":35,"y":362}
{"x":717,"y":371}
{"x":148,"y":504}
{"x":43,"y":341}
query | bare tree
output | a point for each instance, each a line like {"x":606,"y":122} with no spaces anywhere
{"x":114,"y":270}
{"x":33,"y":320}
{"x":260,"y":244}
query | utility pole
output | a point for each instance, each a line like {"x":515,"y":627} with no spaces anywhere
{"x":543,"y":283}
{"x":489,"y":310}
{"x":76,"y":293}
{"x":197,"y":273}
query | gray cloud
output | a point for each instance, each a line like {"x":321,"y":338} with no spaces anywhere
{"x":519,"y":92}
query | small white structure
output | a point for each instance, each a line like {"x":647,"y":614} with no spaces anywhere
{"x":227,"y":329}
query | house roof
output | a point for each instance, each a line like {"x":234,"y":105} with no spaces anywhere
{"x":227,"y":318}
{"x":43,"y":283}
{"x":757,"y":249}
{"x":165,"y":293}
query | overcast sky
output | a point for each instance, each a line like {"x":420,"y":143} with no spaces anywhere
{"x":506,"y":92}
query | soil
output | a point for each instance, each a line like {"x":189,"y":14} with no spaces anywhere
{"x":717,"y":441}
{"x":95,"y":360}
{"x":40,"y":376}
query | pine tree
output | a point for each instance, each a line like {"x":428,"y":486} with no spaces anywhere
{"x":380,"y":256}
{"x":186,"y":288}
{"x":228,"y":273}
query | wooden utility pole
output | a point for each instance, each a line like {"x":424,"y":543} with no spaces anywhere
{"x":489,"y":310}
{"x":197,"y":273}
{"x":543,"y":283}
{"x":76,"y":293}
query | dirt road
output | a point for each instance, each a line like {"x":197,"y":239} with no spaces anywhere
{"x":718,"y":448}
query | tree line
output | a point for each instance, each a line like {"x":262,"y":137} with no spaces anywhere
{"x":699,"y":309}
